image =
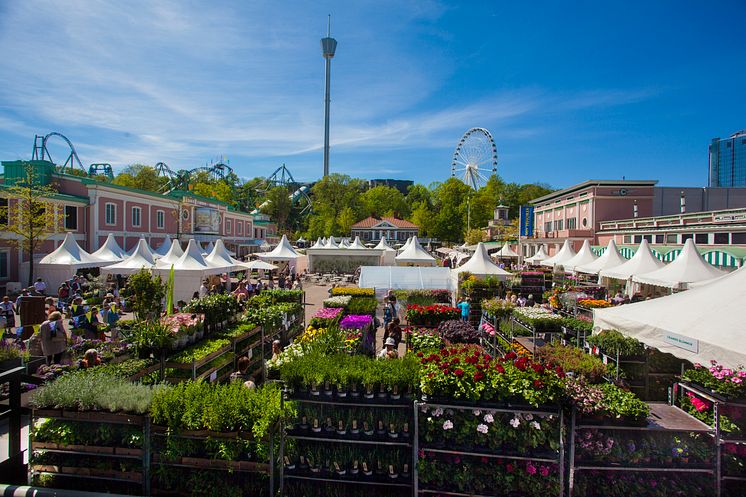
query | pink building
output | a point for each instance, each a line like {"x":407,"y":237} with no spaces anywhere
{"x":576,"y":213}
{"x":92,"y":209}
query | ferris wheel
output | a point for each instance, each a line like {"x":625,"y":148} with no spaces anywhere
{"x":475,"y":153}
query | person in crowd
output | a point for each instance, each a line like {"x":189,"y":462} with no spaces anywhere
{"x":50,"y":306}
{"x":76,"y":308}
{"x":243,"y":373}
{"x":297,"y":284}
{"x":393,"y":330}
{"x":90,"y":359}
{"x":91,"y":323}
{"x":281,"y":282}
{"x":195,"y":295}
{"x":618,"y":298}
{"x":514,"y":299}
{"x":521,"y":301}
{"x":75,"y":285}
{"x":53,"y":338}
{"x":388,"y":314}
{"x":271,"y":283}
{"x":259,"y":286}
{"x":24,"y":293}
{"x":276,"y":350}
{"x":203,"y":289}
{"x":63,"y":293}
{"x":530,"y":302}
{"x":40,"y":286}
{"x":8,"y":311}
{"x":465,"y":307}
{"x":241,"y":293}
{"x":214,"y":290}
{"x":389,"y":350}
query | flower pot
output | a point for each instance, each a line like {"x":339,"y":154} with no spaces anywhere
{"x":341,"y":391}
{"x":369,"y":395}
{"x":328,"y":392}
{"x":354,"y":392}
{"x":395,"y":394}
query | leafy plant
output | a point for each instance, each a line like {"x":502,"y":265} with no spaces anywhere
{"x":353,"y":291}
{"x":613,"y":342}
{"x":152,"y":336}
{"x":573,"y":359}
{"x":727,"y":381}
{"x":146,"y":292}
{"x":457,"y":331}
{"x":362,"y":305}
{"x":498,"y":308}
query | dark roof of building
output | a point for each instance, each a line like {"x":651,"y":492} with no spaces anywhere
{"x":594,"y":182}
{"x":371,"y":221}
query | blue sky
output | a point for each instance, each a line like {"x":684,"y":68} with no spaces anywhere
{"x":570,"y":90}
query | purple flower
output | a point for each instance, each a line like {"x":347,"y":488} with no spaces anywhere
{"x":328,"y":312}
{"x":356,"y":321}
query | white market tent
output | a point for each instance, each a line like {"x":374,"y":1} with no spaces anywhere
{"x":172,"y":255}
{"x":702,"y":324}
{"x":137,"y":247}
{"x":480,"y":264}
{"x":110,"y":251}
{"x":584,"y":256}
{"x":539,"y":256}
{"x":506,"y":252}
{"x":388,"y":257}
{"x":209,"y":248}
{"x":344,"y":243}
{"x":357,"y":245}
{"x":140,"y":259}
{"x":406,"y":244}
{"x":282,"y":252}
{"x":642,"y":262}
{"x":189,"y":271}
{"x":406,"y":278}
{"x":414,"y":254}
{"x":611,"y":258}
{"x":220,"y":258}
{"x":688,"y":267}
{"x":257,"y":264}
{"x":163,"y":249}
{"x":565,"y":254}
{"x":319,"y":243}
{"x":62,"y":264}
{"x":330,"y":243}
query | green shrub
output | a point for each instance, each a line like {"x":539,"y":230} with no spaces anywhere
{"x":573,"y":359}
{"x":613,"y":342}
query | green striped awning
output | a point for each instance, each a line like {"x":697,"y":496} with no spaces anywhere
{"x":721,"y":258}
{"x":671,"y":255}
{"x":598,"y":250}
{"x":627,"y":252}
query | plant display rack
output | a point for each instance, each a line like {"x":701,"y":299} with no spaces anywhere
{"x":328,"y":431}
{"x":488,"y":456}
{"x":667,"y":423}
{"x":535,"y":340}
{"x":140,"y":479}
{"x":721,"y":406}
{"x":496,"y":344}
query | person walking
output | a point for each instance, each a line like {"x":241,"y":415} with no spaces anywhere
{"x":393,"y":330}
{"x":8,"y":311}
{"x":53,"y":338}
{"x":465,"y":307}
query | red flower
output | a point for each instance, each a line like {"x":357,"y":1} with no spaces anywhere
{"x":521,"y":363}
{"x":459,"y":372}
{"x":478,"y":376}
{"x":538,"y":384}
{"x":499,"y":368}
{"x":509,"y":467}
{"x":420,"y":354}
{"x":447,"y":371}
{"x":510,"y":355}
{"x":537,"y":368}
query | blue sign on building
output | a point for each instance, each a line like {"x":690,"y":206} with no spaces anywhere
{"x":527,"y":220}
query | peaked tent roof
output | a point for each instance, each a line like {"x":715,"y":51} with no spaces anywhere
{"x":319,"y":243}
{"x":110,"y":251}
{"x":357,"y":244}
{"x":191,"y":261}
{"x":539,"y":256}
{"x":702,"y":324}
{"x":282,"y":252}
{"x":210,"y":247}
{"x":565,"y":254}
{"x":688,"y":267}
{"x":383,"y":245}
{"x":414,"y":253}
{"x":330,"y":243}
{"x":257,"y":264}
{"x":70,"y":254}
{"x":163,"y":249}
{"x":172,"y":255}
{"x":642,"y":262}
{"x":344,"y":243}
{"x":220,"y":258}
{"x":505,"y":251}
{"x":141,"y":258}
{"x":480,"y":264}
{"x":584,"y":256}
{"x":611,"y":258}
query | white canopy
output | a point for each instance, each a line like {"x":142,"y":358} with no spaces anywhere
{"x":609,"y":259}
{"x":189,"y":271}
{"x":688,"y":267}
{"x":319,"y":243}
{"x":702,"y":324}
{"x":406,"y":244}
{"x":330,"y":243}
{"x":584,"y":256}
{"x":209,"y":248}
{"x":173,"y":254}
{"x":282,"y":252}
{"x":163,"y":249}
{"x":344,"y":243}
{"x":565,"y":254}
{"x":255,"y":265}
{"x":506,"y":252}
{"x":220,"y":258}
{"x":110,"y":251}
{"x":383,"y":245}
{"x":397,"y":277}
{"x":357,"y":244}
{"x":642,"y":262}
{"x":480,"y":264}
{"x":538,"y":256}
{"x":413,"y":253}
{"x":69,"y":254}
{"x":140,"y":259}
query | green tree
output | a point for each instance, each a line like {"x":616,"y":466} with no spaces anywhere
{"x":422,"y":217}
{"x":474,"y":236}
{"x":382,"y":201}
{"x":279,"y":206}
{"x":29,"y":215}
{"x":419,"y":195}
{"x":345,"y":220}
{"x":146,"y":293}
{"x":142,"y":177}
{"x":331,"y":195}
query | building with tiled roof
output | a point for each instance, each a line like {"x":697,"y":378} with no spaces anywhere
{"x":372,"y":229}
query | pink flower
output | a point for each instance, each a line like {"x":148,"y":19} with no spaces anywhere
{"x":482,"y":428}
{"x":736,"y":380}
{"x":544,"y":471}
{"x":530,"y":469}
{"x":448,"y":424}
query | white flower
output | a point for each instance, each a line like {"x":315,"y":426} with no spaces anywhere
{"x":515,"y":422}
{"x":438,"y":412}
{"x":477,"y":412}
{"x":488,"y":418}
{"x":528,"y":417}
{"x":448,"y":425}
{"x":481,"y":428}
{"x":535,"y":425}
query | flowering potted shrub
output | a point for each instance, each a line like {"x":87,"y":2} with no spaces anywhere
{"x":538,"y":318}
{"x":721,"y":382}
{"x":326,"y":316}
{"x":423,"y":339}
{"x":593,"y":303}
{"x":430,"y":315}
{"x":498,"y":308}
{"x":606,"y":403}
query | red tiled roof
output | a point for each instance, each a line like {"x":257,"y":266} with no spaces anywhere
{"x":371,"y":221}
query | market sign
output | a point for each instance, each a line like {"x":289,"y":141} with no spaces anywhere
{"x":682,"y":342}
{"x":527,"y":221}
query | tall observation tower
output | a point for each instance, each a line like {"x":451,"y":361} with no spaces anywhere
{"x":328,"y":47}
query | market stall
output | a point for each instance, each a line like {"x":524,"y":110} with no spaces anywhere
{"x":565,"y":254}
{"x":414,"y":255}
{"x":110,"y":251}
{"x":481,"y":265}
{"x":163,"y":249}
{"x":611,"y":258}
{"x":389,"y":254}
{"x":189,"y":271}
{"x":64,"y":262}
{"x":405,"y":278}
{"x":506,"y":252}
{"x":688,"y":267}
{"x":584,"y":256}
{"x":539,"y":256}
{"x":642,"y":262}
{"x":140,"y":259}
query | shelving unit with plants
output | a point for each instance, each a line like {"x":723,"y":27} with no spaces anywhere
{"x":488,"y":450}
{"x":66,"y":450}
{"x":532,"y":327}
{"x":495,"y":319}
{"x":671,"y":452}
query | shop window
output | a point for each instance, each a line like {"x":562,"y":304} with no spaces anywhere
{"x":721,"y":239}
{"x":738,"y":238}
{"x":111,"y":214}
{"x":638,"y":238}
{"x":702,"y":238}
{"x":627,"y":239}
{"x":160,"y":219}
{"x":672,"y":238}
{"x":136,"y":217}
{"x":228,"y":226}
{"x":572,"y":223}
{"x":649,"y":238}
{"x":685,"y":237}
{"x":659,"y":239}
{"x":71,"y":217}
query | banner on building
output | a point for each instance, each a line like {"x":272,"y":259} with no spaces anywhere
{"x":206,"y":220}
{"x":527,"y":221}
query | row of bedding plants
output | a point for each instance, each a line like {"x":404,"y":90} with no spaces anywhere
{"x":431,"y":315}
{"x":423,"y":297}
